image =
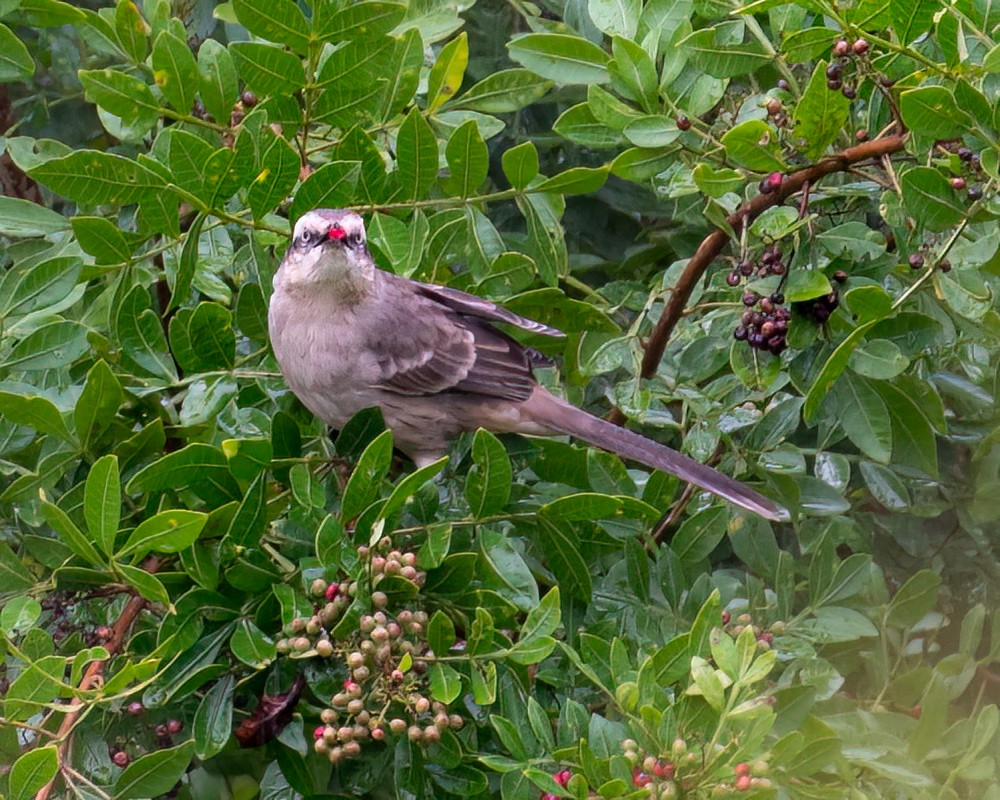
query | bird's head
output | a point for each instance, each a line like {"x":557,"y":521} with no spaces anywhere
{"x":328,"y":246}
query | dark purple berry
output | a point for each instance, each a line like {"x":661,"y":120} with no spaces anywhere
{"x":777,"y":298}
{"x":958,"y":184}
{"x":778,"y":269}
{"x":834,"y":85}
{"x":974,"y":193}
{"x":750,"y":298}
{"x":249,"y":99}
{"x":174,"y":726}
{"x":820,"y":314}
{"x":840,"y":276}
{"x":740,"y":333}
{"x":766,"y":305}
{"x":860,"y":47}
{"x":832,"y":300}
{"x":733,"y":278}
{"x":849,"y":92}
{"x":136,"y":708}
{"x":916,"y":260}
{"x":768,"y":329}
{"x":765,"y":187}
{"x":683,"y":123}
{"x":965,"y":153}
{"x":120,"y":758}
{"x":833,"y":71}
{"x":747,"y":318}
{"x":886,"y":81}
{"x":773,"y":106}
{"x":783,"y":84}
{"x":746,"y":269}
{"x":944,"y":265}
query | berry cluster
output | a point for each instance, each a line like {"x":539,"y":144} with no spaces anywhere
{"x":776,"y":110}
{"x":667,"y":776}
{"x":562,"y":778}
{"x":843,"y":52}
{"x":765,"y":637}
{"x":971,"y":168}
{"x":163,"y":733}
{"x":385,"y":659}
{"x":764,"y":325}
{"x":819,"y":309}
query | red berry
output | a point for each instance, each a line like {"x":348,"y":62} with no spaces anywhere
{"x":743,"y":783}
{"x":773,"y":106}
{"x":136,"y":708}
{"x":958,"y":184}
{"x":861,"y":134}
{"x":683,"y":123}
{"x":743,"y":768}
{"x":841,"y":48}
{"x":318,"y":731}
{"x":562,"y":777}
{"x":860,"y":47}
{"x":174,"y":726}
{"x":916,"y":260}
{"x":120,"y":758}
{"x":640,"y":778}
{"x":774,"y":180}
{"x":332,"y":590}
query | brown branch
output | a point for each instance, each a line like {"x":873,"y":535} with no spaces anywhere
{"x":95,"y":671}
{"x":713,"y":244}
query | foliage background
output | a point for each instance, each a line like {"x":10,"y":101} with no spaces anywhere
{"x":167,"y":506}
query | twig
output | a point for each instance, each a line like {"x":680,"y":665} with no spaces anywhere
{"x":712,"y":245}
{"x":94,"y":674}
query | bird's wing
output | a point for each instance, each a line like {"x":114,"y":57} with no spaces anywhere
{"x":427,"y":345}
{"x":472,"y":306}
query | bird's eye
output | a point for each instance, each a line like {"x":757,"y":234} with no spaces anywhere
{"x":306,"y":238}
{"x":354,"y":239}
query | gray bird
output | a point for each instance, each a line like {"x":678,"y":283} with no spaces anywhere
{"x":349,"y":336}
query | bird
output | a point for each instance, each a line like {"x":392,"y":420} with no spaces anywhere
{"x":348,"y":336}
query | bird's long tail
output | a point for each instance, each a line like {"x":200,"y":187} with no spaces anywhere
{"x":551,"y":412}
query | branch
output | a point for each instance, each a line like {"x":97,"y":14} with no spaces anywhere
{"x":95,"y":672}
{"x":712,"y":245}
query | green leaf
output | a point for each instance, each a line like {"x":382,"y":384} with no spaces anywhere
{"x":520,"y":164}
{"x":175,"y":70}
{"x":275,"y":20}
{"x":468,"y":160}
{"x":331,"y":186}
{"x":267,"y":69}
{"x":94,"y":177}
{"x":251,"y":645}
{"x":885,"y":485}
{"x":832,"y":369}
{"x":146,"y":584}
{"x":806,"y":284}
{"x":131,"y":29}
{"x":504,"y":92}
{"x":218,"y":84}
{"x":167,"y":532}
{"x":51,"y":346}
{"x":544,"y":620}
{"x":409,"y":485}
{"x":440,"y":633}
{"x":279,"y":169}
{"x":752,"y":144}
{"x":579,"y":124}
{"x":102,"y":502}
{"x":633,"y":74}
{"x":28,"y":288}
{"x":61,"y":523}
{"x":723,"y":60}
{"x":446,"y":683}
{"x":98,"y":404}
{"x":929,"y":199}
{"x":582,"y":506}
{"x":33,"y":769}
{"x":35,"y":412}
{"x":913,"y":600}
{"x":122,"y":95}
{"x":807,"y":44}
{"x":141,"y":334}
{"x":16,"y":63}
{"x":102,"y":239}
{"x":912,"y":18}
{"x":198,"y":466}
{"x":560,"y":57}
{"x":615,"y":16}
{"x":363,"y":485}
{"x":416,"y":156}
{"x":488,"y":484}
{"x":15,"y":576}
{"x":155,"y":773}
{"x":652,"y":131}
{"x":700,"y":534}
{"x":23,"y":218}
{"x":932,"y":111}
{"x":717,"y":182}
{"x":864,"y":417}
{"x":213,"y":720}
{"x":820,"y":114}
{"x":913,"y":442}
{"x":203,"y":340}
{"x":446,"y":75}
{"x":879,"y":359}
{"x":358,"y":21}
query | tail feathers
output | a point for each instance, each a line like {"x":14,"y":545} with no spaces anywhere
{"x":553,"y":413}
